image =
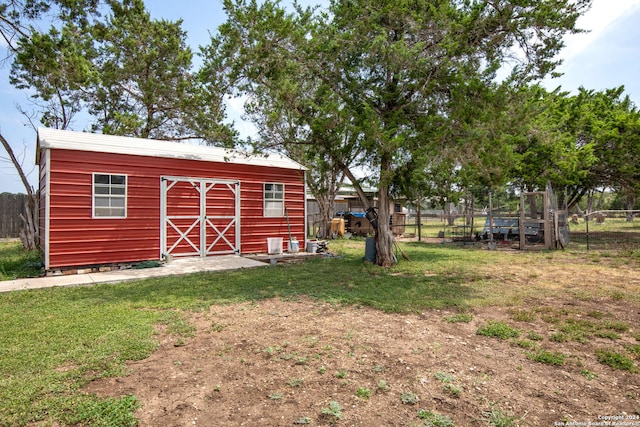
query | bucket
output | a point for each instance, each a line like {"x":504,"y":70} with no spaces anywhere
{"x":312,"y":246}
{"x":370,"y":249}
{"x":294,"y":246}
{"x":337,"y":226}
{"x":274,"y":245}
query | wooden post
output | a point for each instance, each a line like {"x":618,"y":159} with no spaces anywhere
{"x":522,"y":242}
{"x":548,"y":237}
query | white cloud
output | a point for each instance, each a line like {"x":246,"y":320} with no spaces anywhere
{"x":597,"y":20}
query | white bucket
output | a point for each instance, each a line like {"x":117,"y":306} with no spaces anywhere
{"x":294,"y":246}
{"x":274,"y":245}
{"x":312,"y":246}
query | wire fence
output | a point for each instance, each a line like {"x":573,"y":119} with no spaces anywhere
{"x":604,"y":230}
{"x":614,"y":233}
{"x":547,"y":225}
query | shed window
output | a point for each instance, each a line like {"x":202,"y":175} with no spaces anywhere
{"x":109,"y":196}
{"x":273,"y":200}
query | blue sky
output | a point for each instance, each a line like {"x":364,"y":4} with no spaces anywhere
{"x":608,"y":56}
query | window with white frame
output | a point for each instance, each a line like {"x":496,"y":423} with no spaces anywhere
{"x":109,"y":196}
{"x":273,"y":199}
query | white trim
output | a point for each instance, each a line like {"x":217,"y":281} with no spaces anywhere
{"x":238,"y":220}
{"x":304,"y":238}
{"x":93,"y":195}
{"x":83,"y":141}
{"x":47,"y":209}
{"x":264,"y":199}
{"x":202,"y":248}
{"x":163,"y":213}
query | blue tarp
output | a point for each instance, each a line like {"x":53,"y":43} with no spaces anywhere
{"x":354,"y":214}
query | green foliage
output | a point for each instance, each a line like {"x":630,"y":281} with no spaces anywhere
{"x":525,"y":344}
{"x":547,"y":357}
{"x":383,"y":386}
{"x":363,"y":393}
{"x":61,"y":338}
{"x":351,"y":84}
{"x":295,"y":382}
{"x":17,"y":16}
{"x":588,"y":374}
{"x":534,"y":336}
{"x":634,"y":349}
{"x":444,"y":377}
{"x":147,"y":264}
{"x":409,"y":398}
{"x":614,"y":360}
{"x":103,"y":413}
{"x":177,"y":324}
{"x":522,"y":315}
{"x":16,"y":262}
{"x":498,"y":329}
{"x":459,"y":318}
{"x":452,"y":389}
{"x":434,"y":419}
{"x":496,"y":417}
{"x":132,"y":74}
{"x":333,"y":411}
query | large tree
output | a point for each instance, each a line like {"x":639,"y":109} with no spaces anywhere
{"x":581,"y":142}
{"x":309,"y":127}
{"x":17,"y":17}
{"x":134,"y":75}
{"x":403,"y":70}
{"x":549,"y":145}
{"x":17,"y":30}
{"x":144,"y":74}
{"x":610,"y":122}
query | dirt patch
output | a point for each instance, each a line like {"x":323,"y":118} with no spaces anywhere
{"x":281,"y":363}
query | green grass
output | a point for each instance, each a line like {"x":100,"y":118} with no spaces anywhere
{"x":615,"y":360}
{"x":498,"y":329}
{"x":459,"y":318}
{"x":434,"y":419}
{"x":547,"y":357}
{"x":333,"y":412}
{"x":16,"y":262}
{"x":497,"y":417}
{"x":54,"y":341}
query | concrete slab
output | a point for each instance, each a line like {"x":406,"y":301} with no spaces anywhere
{"x":177,"y":267}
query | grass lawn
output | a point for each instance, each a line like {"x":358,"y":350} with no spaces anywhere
{"x":16,"y":262}
{"x":54,"y":341}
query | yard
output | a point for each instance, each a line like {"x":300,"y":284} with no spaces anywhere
{"x":455,"y":336}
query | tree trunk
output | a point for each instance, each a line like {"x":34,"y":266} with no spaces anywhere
{"x":630,"y":203}
{"x":419,"y":219}
{"x":384,"y":236}
{"x":448,"y":212}
{"x":29,"y":233}
{"x":326,"y":206}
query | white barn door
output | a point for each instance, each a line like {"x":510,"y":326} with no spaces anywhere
{"x":199,"y":217}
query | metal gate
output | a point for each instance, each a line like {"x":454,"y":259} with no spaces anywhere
{"x":199,"y":217}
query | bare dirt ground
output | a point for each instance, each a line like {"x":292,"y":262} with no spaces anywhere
{"x":281,"y":363}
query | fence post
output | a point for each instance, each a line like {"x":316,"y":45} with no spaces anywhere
{"x":586,"y":218}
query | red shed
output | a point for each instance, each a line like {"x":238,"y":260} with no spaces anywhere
{"x":111,"y":199}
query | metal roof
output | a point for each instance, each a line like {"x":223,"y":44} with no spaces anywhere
{"x":84,"y":141}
